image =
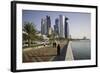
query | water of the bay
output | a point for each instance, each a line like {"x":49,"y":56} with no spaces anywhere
{"x":81,"y":49}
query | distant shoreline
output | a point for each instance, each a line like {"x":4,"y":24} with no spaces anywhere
{"x":78,"y":39}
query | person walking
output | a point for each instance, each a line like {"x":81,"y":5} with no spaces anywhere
{"x":58,"y":49}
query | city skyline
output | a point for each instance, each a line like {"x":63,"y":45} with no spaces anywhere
{"x":61,"y":28}
{"x":79,"y":23}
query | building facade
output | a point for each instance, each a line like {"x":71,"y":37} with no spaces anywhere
{"x":43,"y":26}
{"x":56,"y":28}
{"x":61,"y":26}
{"x":66,"y":28}
{"x":46,"y":26}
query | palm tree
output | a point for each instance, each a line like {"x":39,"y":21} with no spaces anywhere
{"x":30,"y":31}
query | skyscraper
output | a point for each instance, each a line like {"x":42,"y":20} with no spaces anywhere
{"x":43,"y":26}
{"x":61,"y":26}
{"x":48,"y":24}
{"x":66,"y":28}
{"x":56,"y":28}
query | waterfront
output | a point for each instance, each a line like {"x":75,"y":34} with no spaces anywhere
{"x":81,"y":49}
{"x":54,"y":36}
{"x":72,"y":50}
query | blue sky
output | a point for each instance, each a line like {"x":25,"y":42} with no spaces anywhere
{"x":79,"y":23}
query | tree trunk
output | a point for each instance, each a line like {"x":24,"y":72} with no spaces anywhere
{"x":29,"y":42}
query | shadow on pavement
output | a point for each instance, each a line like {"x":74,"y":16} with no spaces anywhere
{"x":62,"y":55}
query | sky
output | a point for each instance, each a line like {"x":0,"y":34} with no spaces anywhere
{"x":79,"y":23}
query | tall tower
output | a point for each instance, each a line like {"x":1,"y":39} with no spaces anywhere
{"x":56,"y":27}
{"x":43,"y":26}
{"x":48,"y":24}
{"x":66,"y":28}
{"x":61,"y":26}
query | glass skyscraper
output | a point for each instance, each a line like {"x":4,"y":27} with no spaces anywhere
{"x":66,"y":28}
{"x":46,"y":25}
{"x":43,"y":26}
{"x":56,"y":29}
{"x":61,"y":27}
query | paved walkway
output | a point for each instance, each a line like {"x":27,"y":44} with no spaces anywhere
{"x":69,"y":53}
{"x":66,"y":53}
{"x":62,"y":55}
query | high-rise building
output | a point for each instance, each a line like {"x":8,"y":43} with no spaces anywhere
{"x":48,"y":24}
{"x":43,"y":26}
{"x":50,"y":31}
{"x":48,"y":21}
{"x":61,"y":26}
{"x":56,"y":28}
{"x":66,"y":28}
